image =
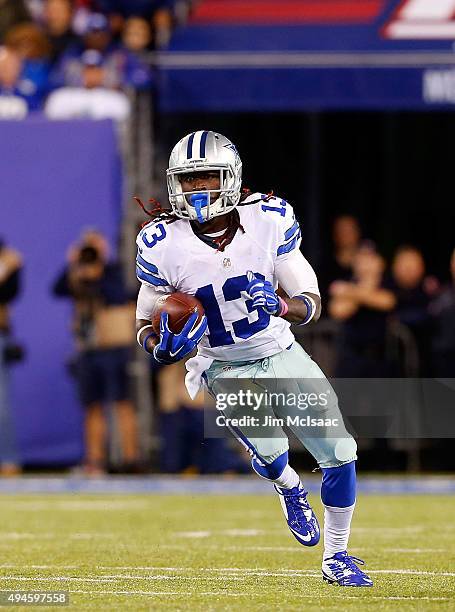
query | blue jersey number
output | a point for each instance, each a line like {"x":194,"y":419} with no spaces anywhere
{"x":281,"y":209}
{"x":243,"y":328}
{"x":156,"y":237}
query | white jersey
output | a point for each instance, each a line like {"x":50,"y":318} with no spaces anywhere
{"x":172,"y":258}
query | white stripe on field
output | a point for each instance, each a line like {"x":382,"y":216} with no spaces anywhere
{"x":194,"y":534}
{"x":115,"y":577}
{"x":17,"y":535}
{"x":233,"y":572}
{"x":249,"y":594}
{"x":94,"y":504}
{"x":223,"y":532}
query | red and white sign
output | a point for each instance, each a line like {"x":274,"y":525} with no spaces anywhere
{"x":423,"y":19}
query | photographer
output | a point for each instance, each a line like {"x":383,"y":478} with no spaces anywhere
{"x":103,"y":329}
{"x":10,"y":270}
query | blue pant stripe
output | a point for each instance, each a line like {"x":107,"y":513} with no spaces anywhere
{"x":238,"y":434}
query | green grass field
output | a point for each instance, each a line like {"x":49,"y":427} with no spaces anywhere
{"x":156,"y":552}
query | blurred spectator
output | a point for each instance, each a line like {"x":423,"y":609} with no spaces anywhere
{"x":183,"y":447}
{"x":69,"y":70}
{"x":98,"y":34}
{"x":92,"y":99}
{"x":411,"y":290}
{"x":13,"y":104}
{"x":442,"y":310}
{"x":57,"y":23}
{"x":158,"y":13}
{"x":137,"y":35}
{"x":346,"y":236}
{"x":10,"y":270}
{"x":132,"y":55}
{"x":104,"y":334}
{"x":12,"y":12}
{"x":33,"y":48}
{"x":29,"y":41}
{"x":363,"y":305}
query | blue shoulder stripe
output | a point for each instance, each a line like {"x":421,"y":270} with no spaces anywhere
{"x":291,"y":231}
{"x":149,"y":278}
{"x":149,"y":267}
{"x":289,"y":246}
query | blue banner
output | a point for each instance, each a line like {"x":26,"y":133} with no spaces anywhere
{"x":333,"y":54}
{"x":56,"y":179}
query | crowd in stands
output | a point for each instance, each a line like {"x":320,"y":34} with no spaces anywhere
{"x":380,"y":308}
{"x":76,"y":58}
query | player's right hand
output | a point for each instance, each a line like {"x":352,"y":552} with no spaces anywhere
{"x":173,"y":347}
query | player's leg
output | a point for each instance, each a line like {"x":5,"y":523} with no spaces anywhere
{"x":90,"y":388}
{"x":127,"y":427}
{"x":336,"y":458}
{"x":269,"y":454}
{"x":115,"y":365}
{"x":95,"y":438}
{"x":9,"y":462}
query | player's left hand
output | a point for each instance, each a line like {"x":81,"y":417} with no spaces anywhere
{"x":173,"y":347}
{"x":263,"y":295}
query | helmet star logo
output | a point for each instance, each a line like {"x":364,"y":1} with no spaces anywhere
{"x":231,"y":147}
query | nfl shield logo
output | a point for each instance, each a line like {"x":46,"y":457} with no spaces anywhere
{"x":226,"y":262}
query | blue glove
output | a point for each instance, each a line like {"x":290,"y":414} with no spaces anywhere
{"x":263,"y":295}
{"x":173,"y":347}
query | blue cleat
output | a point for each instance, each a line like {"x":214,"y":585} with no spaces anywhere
{"x":299,"y":515}
{"x":341,"y":569}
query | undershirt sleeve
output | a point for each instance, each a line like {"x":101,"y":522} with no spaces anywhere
{"x":295,"y":275}
{"x":148,"y":302}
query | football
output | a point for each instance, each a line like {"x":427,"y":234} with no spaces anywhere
{"x":179,"y":306}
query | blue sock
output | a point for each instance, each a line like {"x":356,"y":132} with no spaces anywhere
{"x":339,"y":486}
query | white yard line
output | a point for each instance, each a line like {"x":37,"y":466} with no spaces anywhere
{"x":17,"y":535}
{"x":406,"y":550}
{"x":249,"y":594}
{"x":194,"y":534}
{"x":232,"y":573}
{"x":73,"y":505}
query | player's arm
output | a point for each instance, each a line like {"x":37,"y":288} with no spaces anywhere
{"x":149,"y":300}
{"x":298,"y":288}
{"x":297,"y":297}
{"x":376,"y":297}
{"x":347,"y":298}
{"x":300,"y":308}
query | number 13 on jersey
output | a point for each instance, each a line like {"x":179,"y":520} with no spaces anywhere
{"x":243,"y":328}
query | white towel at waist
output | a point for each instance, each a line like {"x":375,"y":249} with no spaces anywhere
{"x":195,"y":368}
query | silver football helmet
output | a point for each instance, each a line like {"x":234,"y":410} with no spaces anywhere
{"x":204,"y":151}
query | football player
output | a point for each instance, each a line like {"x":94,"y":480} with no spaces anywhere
{"x":239,"y":255}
